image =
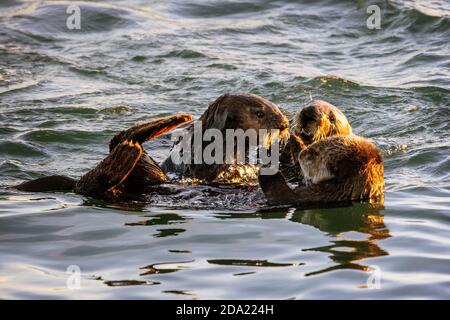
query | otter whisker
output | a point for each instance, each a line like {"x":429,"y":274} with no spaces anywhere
{"x":268,"y":139}
{"x":271,"y":137}
{"x":284,"y":135}
{"x":305,"y":132}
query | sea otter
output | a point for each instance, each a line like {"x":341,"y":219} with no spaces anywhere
{"x":127,"y":167}
{"x":230,"y":111}
{"x":326,"y":121}
{"x":128,"y":170}
{"x":335,"y":165}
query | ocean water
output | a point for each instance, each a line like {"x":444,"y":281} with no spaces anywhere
{"x":64,"y":93}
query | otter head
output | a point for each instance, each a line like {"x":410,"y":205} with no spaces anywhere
{"x":318,"y":120}
{"x":244,"y":111}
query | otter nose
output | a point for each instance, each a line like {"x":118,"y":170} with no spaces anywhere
{"x":310,"y":113}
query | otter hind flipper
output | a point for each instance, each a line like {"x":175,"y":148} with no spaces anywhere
{"x":112,"y":171}
{"x":150,"y":130}
{"x":147,"y":172}
{"x":50,"y":183}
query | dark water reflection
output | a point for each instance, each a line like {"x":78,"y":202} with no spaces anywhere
{"x":166,"y":267}
{"x":365,"y":220}
{"x":348,"y":254}
{"x":355,"y":233}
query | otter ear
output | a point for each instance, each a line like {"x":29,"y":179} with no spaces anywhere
{"x":216,"y":114}
{"x":332,"y":117}
{"x":220,"y":118}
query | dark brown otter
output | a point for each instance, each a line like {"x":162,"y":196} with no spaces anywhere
{"x":335,"y":165}
{"x":126,"y":169}
{"x":230,"y":111}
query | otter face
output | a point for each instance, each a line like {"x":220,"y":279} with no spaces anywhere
{"x":249,"y":111}
{"x":319,"y":120}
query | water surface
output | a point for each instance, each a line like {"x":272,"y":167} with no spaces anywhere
{"x":64,"y":93}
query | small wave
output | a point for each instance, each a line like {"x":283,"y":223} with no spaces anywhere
{"x":432,"y":89}
{"x":436,"y":8}
{"x":8,"y":130}
{"x":17,"y":205}
{"x":18,"y":148}
{"x":12,"y":168}
{"x":139,"y":58}
{"x":417,"y":17}
{"x":50,"y":20}
{"x":19,"y":86}
{"x":184,"y":54}
{"x":217,"y":9}
{"x":332,"y":82}
{"x":62,"y":136}
{"x":10,"y":3}
{"x":87,"y":71}
{"x":119,"y":109}
{"x":223,"y":66}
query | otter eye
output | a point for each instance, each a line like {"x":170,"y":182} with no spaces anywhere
{"x":332,"y":117}
{"x":260,"y":114}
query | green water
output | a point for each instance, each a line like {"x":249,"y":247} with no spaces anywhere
{"x":64,"y":93}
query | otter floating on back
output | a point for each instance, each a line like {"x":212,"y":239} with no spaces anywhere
{"x":333,"y":165}
{"x":230,"y":111}
{"x":128,"y":171}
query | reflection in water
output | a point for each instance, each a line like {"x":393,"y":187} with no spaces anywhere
{"x":160,"y":219}
{"x":165,"y":267}
{"x":347,"y":260}
{"x":262,"y":214}
{"x":244,"y":273}
{"x":180,"y":251}
{"x":251,"y":263}
{"x":179,"y":292}
{"x":124,"y":283}
{"x":355,"y":233}
{"x":361,"y":218}
{"x":168,"y":232}
{"x":133,"y":206}
{"x":364,"y":219}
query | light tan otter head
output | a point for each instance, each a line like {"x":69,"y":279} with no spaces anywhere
{"x":318,"y":120}
{"x":243,"y":111}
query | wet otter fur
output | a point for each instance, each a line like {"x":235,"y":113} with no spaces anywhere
{"x":334,"y":165}
{"x":316,"y":120}
{"x":230,"y":111}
